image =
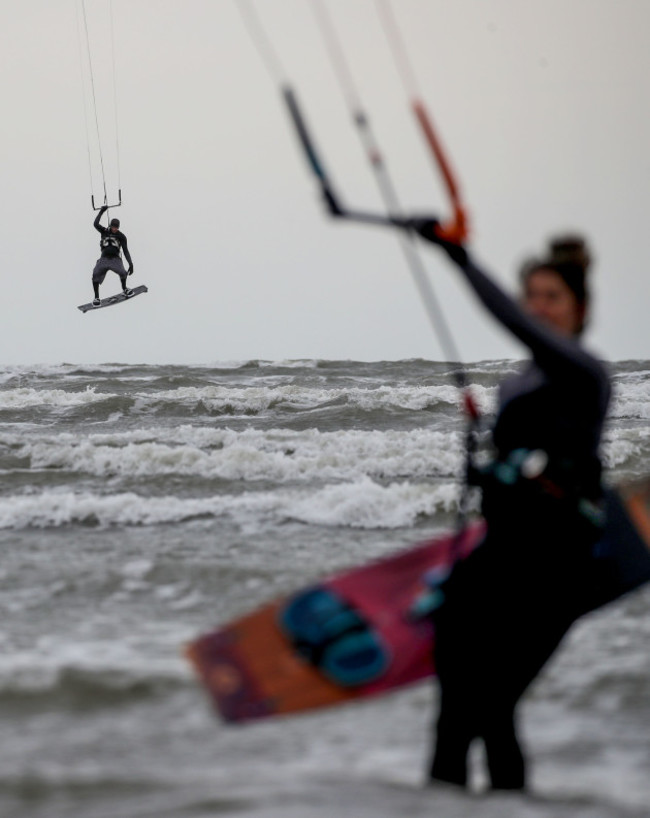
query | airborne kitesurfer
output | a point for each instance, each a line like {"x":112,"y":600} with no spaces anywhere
{"x":112,"y":244}
{"x":509,"y":604}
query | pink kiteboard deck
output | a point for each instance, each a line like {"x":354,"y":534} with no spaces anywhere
{"x":361,"y":633}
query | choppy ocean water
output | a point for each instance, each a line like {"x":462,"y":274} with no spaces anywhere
{"x":142,"y":505}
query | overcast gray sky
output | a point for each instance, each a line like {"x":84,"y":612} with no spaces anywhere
{"x":542,"y":105}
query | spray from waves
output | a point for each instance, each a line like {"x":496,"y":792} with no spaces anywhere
{"x":359,"y":504}
{"x":252,"y":455}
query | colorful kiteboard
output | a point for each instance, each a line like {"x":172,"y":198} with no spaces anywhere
{"x":366,"y":631}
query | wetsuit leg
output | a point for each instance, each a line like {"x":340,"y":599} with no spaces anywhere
{"x":527,"y":633}
{"x":458,"y":662}
{"x":520,"y":657}
{"x":99,"y":273}
{"x":117,"y":266}
{"x":478,"y":700}
{"x":485,"y":657}
{"x":475,"y":711}
{"x":454,"y":734}
{"x":505,"y":759}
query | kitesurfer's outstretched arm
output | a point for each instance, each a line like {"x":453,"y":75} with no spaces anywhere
{"x":556,"y":354}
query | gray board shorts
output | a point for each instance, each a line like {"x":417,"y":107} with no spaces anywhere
{"x":106,"y":263}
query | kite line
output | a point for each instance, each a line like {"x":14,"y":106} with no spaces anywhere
{"x":274,"y":66}
{"x":85,"y":50}
{"x":456,"y":230}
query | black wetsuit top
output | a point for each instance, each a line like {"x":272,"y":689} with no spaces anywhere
{"x":557,"y":403}
{"x":112,"y":243}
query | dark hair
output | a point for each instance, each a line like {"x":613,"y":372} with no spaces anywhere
{"x":569,"y":257}
{"x":115,"y":222}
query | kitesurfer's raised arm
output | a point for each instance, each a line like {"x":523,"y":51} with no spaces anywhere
{"x":96,"y":223}
{"x":556,"y":352}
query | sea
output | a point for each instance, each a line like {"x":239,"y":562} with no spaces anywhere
{"x":142,"y":505}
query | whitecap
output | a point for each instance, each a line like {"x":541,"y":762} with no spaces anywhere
{"x":25,"y":397}
{"x":366,"y":504}
{"x":278,"y":455}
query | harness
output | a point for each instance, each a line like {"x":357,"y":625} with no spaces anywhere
{"x":111,"y":243}
{"x":525,"y":472}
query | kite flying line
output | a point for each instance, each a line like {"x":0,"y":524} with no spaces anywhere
{"x":84,"y":46}
{"x":275,"y":68}
{"x":456,"y":230}
{"x":385,"y":184}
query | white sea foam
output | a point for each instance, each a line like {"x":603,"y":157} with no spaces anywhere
{"x":278,"y":455}
{"x":366,"y":504}
{"x":626,"y":447}
{"x":252,"y":399}
{"x":631,"y":401}
{"x":257,"y":399}
{"x":359,"y":504}
{"x":63,"y":370}
{"x":26,"y":397}
{"x":289,"y":363}
{"x":53,"y":509}
{"x":631,"y":394}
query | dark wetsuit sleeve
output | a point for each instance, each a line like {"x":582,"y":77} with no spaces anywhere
{"x":97,"y":225}
{"x":125,"y":249}
{"x":555,"y":354}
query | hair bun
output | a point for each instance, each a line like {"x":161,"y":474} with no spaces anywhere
{"x":569,"y":249}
